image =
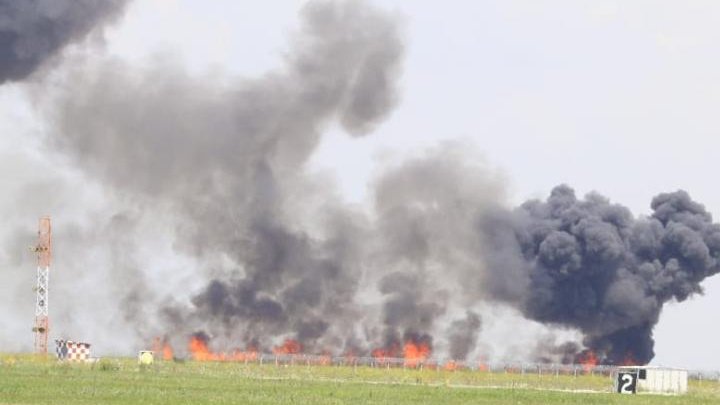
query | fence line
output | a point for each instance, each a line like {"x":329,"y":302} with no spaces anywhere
{"x":444,"y":364}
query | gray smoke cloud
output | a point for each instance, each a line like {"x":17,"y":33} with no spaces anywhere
{"x":463,"y":335}
{"x":267,"y":251}
{"x":32,"y":31}
{"x":227,"y":156}
{"x":585,"y":264}
{"x":595,"y":267}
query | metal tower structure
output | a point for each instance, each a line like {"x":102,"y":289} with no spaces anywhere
{"x":44,"y":254}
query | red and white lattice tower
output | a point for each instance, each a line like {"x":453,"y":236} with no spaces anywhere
{"x":44,"y":254}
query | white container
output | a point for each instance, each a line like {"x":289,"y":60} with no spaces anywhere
{"x":657,"y":380}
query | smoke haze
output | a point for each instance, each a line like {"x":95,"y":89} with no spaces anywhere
{"x":32,"y":31}
{"x":209,"y":221}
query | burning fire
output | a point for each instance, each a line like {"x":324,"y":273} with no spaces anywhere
{"x":289,"y":346}
{"x":167,"y":352}
{"x":350,"y":357}
{"x":199,"y":351}
{"x":588,"y":359}
{"x":391,"y":352}
{"x":325,"y":359}
{"x":628,"y":360}
{"x":161,"y":346}
{"x":415,"y":353}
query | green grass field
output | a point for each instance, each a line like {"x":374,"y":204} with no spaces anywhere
{"x":25,"y":380}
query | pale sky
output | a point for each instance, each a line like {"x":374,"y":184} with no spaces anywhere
{"x":619,"y":97}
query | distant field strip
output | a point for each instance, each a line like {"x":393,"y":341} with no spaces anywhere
{"x":24,"y":380}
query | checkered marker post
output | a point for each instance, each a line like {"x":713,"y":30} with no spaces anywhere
{"x":60,"y":349}
{"x":67,"y":350}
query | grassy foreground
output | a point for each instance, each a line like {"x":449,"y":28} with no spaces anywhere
{"x":24,"y":380}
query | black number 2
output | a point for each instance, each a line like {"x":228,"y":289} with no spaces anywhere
{"x":626,"y":384}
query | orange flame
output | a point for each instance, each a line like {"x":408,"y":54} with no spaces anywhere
{"x":628,"y":360}
{"x":588,"y":359}
{"x":415,"y":353}
{"x":167,"y":352}
{"x":289,"y":346}
{"x":350,"y":357}
{"x":451,"y":365}
{"x":162,"y":346}
{"x":199,"y":350}
{"x":248,"y":355}
{"x":384,"y":353}
{"x":325,"y":359}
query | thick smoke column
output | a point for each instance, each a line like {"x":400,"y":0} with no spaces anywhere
{"x":219,"y":165}
{"x":31,"y":31}
{"x":585,"y":264}
{"x":594,"y":267}
{"x":227,"y":157}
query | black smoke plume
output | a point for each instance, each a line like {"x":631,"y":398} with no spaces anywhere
{"x":218,"y":166}
{"x":585,"y":264}
{"x":31,"y":31}
{"x":226,"y":157}
{"x":594,"y":267}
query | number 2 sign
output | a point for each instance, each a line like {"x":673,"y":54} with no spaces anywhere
{"x":627,"y":383}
